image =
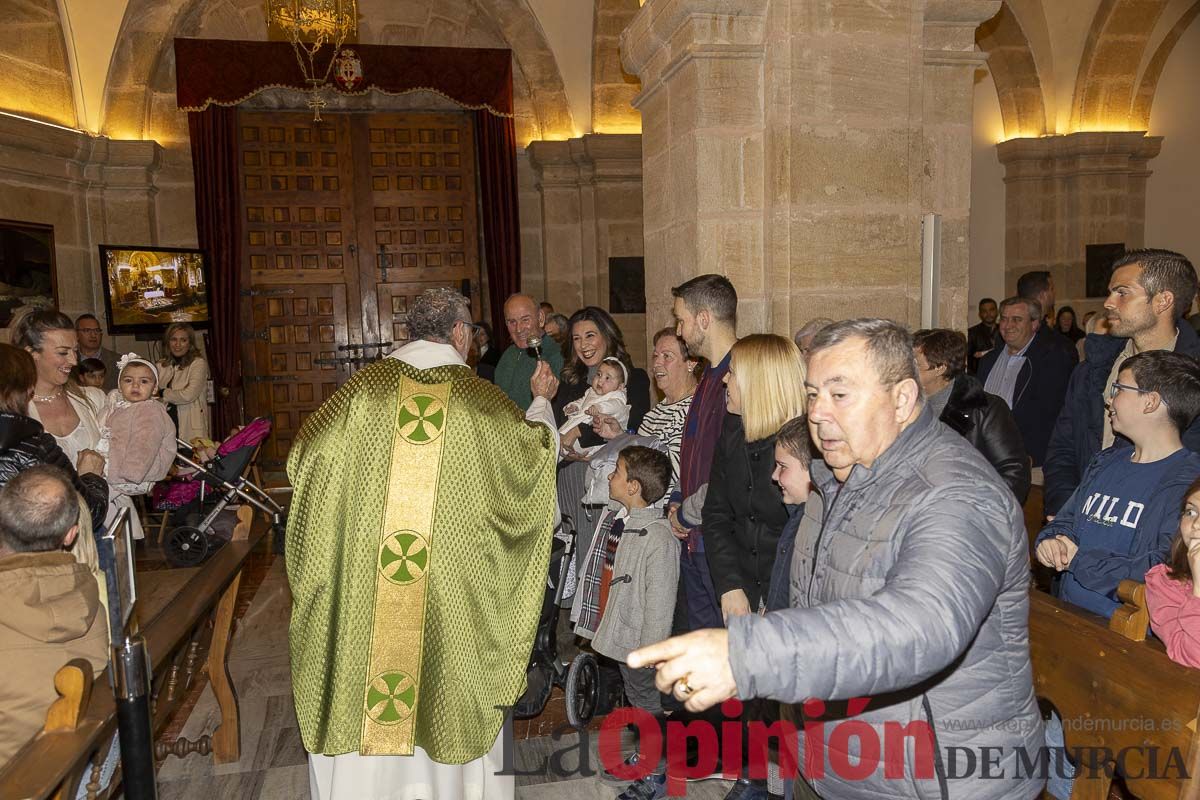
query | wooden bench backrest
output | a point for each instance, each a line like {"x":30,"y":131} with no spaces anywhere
{"x":1110,"y":690}
{"x":77,"y":729}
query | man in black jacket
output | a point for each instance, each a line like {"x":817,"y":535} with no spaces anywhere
{"x":984,"y":337}
{"x":1029,"y":373}
{"x":959,"y":401}
{"x":1148,"y":294}
{"x":1039,"y":285}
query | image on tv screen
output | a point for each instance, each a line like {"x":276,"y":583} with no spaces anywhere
{"x":149,"y":288}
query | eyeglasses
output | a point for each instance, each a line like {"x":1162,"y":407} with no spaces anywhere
{"x":1118,"y":387}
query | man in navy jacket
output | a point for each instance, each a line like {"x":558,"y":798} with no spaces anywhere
{"x":1036,"y":393}
{"x":1149,"y":293}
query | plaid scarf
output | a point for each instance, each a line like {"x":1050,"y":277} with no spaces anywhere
{"x":608,"y":535}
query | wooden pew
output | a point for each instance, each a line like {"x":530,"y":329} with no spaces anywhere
{"x":188,"y":628}
{"x":1115,"y":691}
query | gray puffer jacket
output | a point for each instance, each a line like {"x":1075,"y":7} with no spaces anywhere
{"x":919,"y":603}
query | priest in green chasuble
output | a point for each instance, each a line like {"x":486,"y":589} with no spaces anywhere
{"x":417,"y":547}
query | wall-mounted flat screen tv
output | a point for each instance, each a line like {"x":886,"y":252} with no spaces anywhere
{"x":148,"y":288}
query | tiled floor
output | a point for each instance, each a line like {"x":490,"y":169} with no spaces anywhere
{"x":273,"y":765}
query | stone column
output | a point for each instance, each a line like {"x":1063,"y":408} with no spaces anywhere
{"x":702,"y":104}
{"x":795,"y":145}
{"x":1063,"y":193}
{"x":591,"y":198}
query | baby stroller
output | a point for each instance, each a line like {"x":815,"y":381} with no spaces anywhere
{"x":580,"y":680}
{"x":224,"y":479}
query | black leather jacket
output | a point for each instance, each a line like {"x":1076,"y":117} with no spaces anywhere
{"x":743,"y":514}
{"x":985,"y":421}
{"x":24,"y":443}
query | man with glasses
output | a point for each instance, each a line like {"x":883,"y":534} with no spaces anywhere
{"x":89,"y":338}
{"x":1148,"y":294}
{"x":1030,"y":373}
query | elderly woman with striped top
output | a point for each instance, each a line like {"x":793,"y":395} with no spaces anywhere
{"x":674,"y":373}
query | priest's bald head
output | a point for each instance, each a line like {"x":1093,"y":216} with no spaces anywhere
{"x":442,"y":315}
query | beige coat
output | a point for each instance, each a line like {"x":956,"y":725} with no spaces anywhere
{"x":187,"y":390}
{"x":51,"y":614}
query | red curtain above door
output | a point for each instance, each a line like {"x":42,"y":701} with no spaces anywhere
{"x":226,"y":72}
{"x":213,"y":74}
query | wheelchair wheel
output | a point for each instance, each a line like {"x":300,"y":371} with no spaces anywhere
{"x":539,"y":681}
{"x":582,"y":690}
{"x":185,"y":546}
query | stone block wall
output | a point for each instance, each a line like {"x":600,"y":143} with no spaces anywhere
{"x":590,"y":193}
{"x":92,"y":190}
{"x":35,"y":74}
{"x":794,"y":145}
{"x":1063,"y":193}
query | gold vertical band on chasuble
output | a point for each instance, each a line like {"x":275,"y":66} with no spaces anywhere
{"x":404,"y":559}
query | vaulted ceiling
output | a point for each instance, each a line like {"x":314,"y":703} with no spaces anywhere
{"x":104,"y":65}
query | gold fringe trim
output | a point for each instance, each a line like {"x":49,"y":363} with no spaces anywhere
{"x":482,"y":106}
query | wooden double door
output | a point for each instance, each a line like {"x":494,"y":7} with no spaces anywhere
{"x":344,"y":223}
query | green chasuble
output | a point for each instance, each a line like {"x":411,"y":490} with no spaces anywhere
{"x":418,"y":541}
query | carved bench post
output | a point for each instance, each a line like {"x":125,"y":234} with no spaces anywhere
{"x":227,"y":739}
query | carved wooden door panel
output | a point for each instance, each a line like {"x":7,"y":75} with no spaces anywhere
{"x":304,"y":325}
{"x":415,"y":196}
{"x":344,"y":223}
{"x":299,"y":276}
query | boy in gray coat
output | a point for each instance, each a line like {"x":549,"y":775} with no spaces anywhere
{"x":637,"y":596}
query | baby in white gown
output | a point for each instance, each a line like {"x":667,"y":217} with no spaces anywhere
{"x":605,"y":397}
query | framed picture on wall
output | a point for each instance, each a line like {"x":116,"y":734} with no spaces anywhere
{"x":27,"y":275}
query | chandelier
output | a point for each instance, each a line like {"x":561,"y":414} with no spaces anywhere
{"x":310,"y":25}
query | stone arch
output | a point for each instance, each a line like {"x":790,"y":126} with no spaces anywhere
{"x":1106,"y":85}
{"x":1015,"y":73}
{"x":140,"y":92}
{"x":1144,"y":99}
{"x":35,"y":73}
{"x":613,"y":89}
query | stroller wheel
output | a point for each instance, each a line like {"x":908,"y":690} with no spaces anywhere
{"x":185,"y":546}
{"x":582,"y":690}
{"x":539,"y":681}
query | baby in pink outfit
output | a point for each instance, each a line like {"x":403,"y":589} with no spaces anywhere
{"x":137,"y":436}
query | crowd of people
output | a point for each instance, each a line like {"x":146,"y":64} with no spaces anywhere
{"x":836,"y":515}
{"x":83,"y":430}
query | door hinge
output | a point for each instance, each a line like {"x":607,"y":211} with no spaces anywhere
{"x":267,"y":378}
{"x":262,"y":336}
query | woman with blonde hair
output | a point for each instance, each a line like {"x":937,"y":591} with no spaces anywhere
{"x":183,"y":379}
{"x":744,"y":513}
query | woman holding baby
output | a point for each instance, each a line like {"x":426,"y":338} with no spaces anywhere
{"x":595,"y":337}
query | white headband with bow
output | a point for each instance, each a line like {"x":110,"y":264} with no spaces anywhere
{"x":133,"y":358}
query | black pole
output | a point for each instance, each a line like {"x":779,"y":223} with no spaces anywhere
{"x":132,"y":690}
